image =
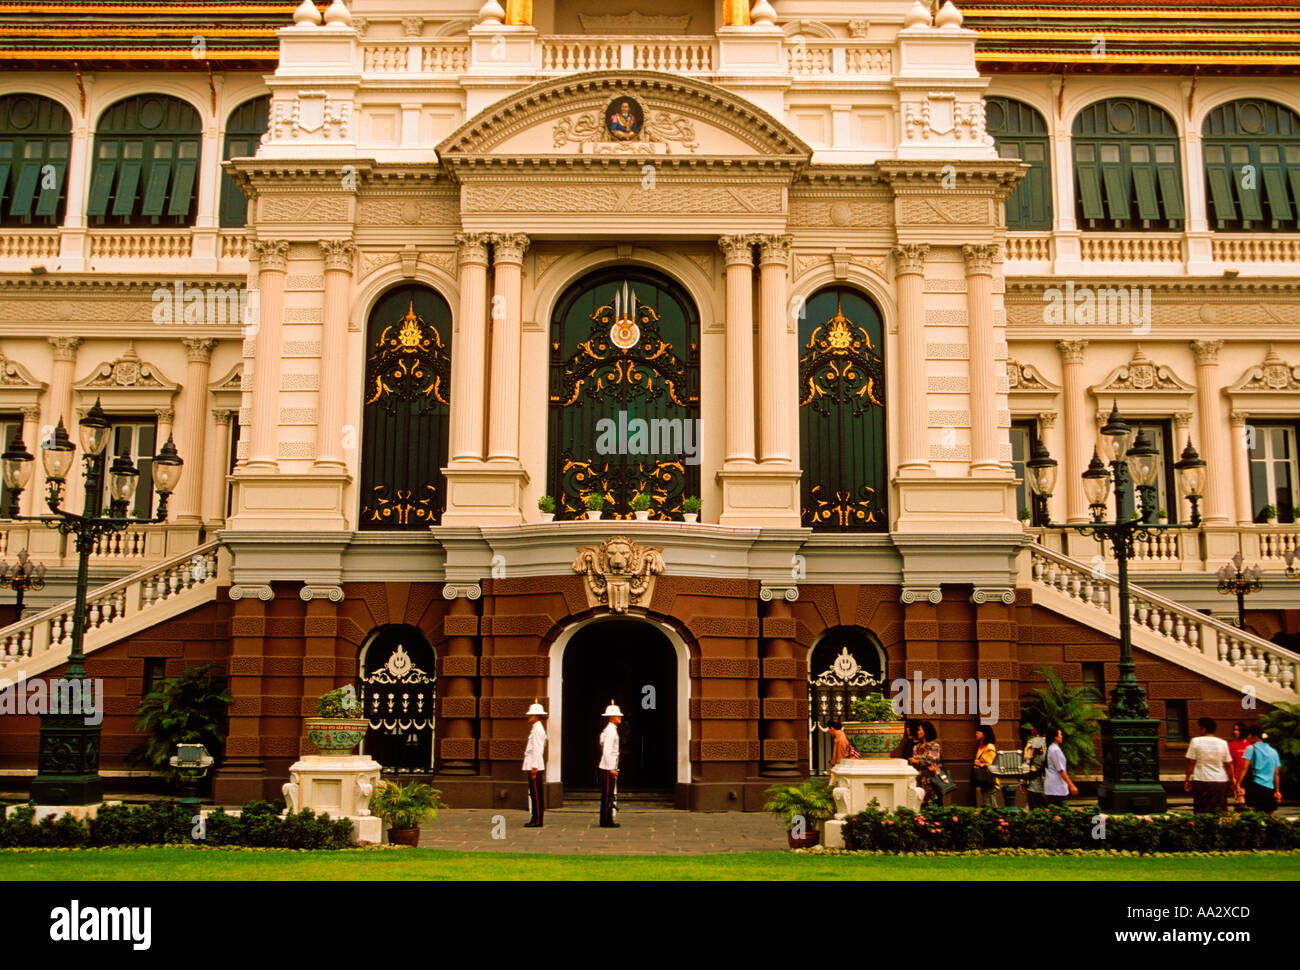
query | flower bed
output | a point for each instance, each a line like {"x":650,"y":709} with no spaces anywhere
{"x":168,"y":823}
{"x":965,"y":829}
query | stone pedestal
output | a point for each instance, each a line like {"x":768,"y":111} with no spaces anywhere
{"x":890,"y":781}
{"x":339,"y":786}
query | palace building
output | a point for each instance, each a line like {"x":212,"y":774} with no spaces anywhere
{"x":389,"y":273}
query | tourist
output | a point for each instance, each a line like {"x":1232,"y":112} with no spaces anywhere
{"x":842,"y":748}
{"x":608,"y":767}
{"x":1209,"y":768}
{"x":983,"y":780}
{"x":1034,"y":762}
{"x":1057,"y":785}
{"x":535,"y":764}
{"x":927,"y":758}
{"x":1262,"y":772}
{"x":905,"y":746}
{"x":1236,"y":748}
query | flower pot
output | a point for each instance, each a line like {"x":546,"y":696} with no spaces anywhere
{"x":642,"y":515}
{"x":1162,"y":520}
{"x":546,"y":516}
{"x":690,"y":516}
{"x":874,"y":739}
{"x":805,"y":841}
{"x":594,"y":514}
{"x":336,"y":735}
{"x":409,"y":836}
{"x":1272,"y":522}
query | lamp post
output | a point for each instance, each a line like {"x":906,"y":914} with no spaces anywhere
{"x":67,"y":770}
{"x":1129,"y":737}
{"x":1292,"y":558}
{"x":23,"y":576}
{"x":1235,"y":580}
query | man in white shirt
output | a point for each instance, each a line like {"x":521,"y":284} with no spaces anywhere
{"x":535,"y":763}
{"x":1209,"y":766}
{"x":608,"y":767}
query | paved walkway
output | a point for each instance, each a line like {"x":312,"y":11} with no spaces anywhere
{"x":576,"y":830}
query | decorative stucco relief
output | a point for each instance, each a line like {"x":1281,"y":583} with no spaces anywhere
{"x":858,"y":213}
{"x":302,"y":208}
{"x":667,"y":198}
{"x":661,"y":131}
{"x":407,"y":212}
{"x":960,"y":210}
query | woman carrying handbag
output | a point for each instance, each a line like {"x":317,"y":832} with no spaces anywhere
{"x":927,"y":759}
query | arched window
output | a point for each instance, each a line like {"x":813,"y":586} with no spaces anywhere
{"x":35,"y":141}
{"x":842,"y":413}
{"x":1020,"y":132}
{"x":405,"y":410}
{"x":399,"y":698}
{"x":1252,"y":165}
{"x":146,"y":163}
{"x":1127,"y":173}
{"x":625,"y":395}
{"x":848,"y":662}
{"x":244,"y":130}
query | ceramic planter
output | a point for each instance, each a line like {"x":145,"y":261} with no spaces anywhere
{"x":546,"y":516}
{"x":690,"y":516}
{"x":594,"y":514}
{"x":874,"y":739}
{"x":404,"y":836}
{"x":336,"y":735}
{"x":642,"y":515}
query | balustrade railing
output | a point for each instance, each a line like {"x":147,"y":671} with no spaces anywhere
{"x":1256,"y":248}
{"x":29,"y":245}
{"x":1131,"y":248}
{"x":125,"y":244}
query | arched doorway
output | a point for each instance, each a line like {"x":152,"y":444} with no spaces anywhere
{"x":399,"y":698}
{"x":845,"y":664}
{"x":636,"y":666}
{"x":624,"y":395}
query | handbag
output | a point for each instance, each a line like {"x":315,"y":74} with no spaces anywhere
{"x":942,"y":782}
{"x":982,"y":777}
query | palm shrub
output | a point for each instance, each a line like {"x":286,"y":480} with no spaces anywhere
{"x":1283,"y":727}
{"x":812,"y":801}
{"x":188,"y":709}
{"x":1072,"y":709}
{"x":406,"y":806}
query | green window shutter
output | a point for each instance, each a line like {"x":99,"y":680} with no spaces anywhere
{"x":49,"y":201}
{"x":29,"y":176}
{"x":183,"y":187}
{"x":1220,"y":179}
{"x":1293,"y":176}
{"x":156,"y":192}
{"x":101,"y":186}
{"x":4,"y":176}
{"x":1117,"y":204}
{"x":127,"y":180}
{"x":1171,"y":190}
{"x":234,"y":206}
{"x":1144,"y":181}
{"x":1087,"y":177}
{"x":1275,"y":191}
{"x":1249,"y":198}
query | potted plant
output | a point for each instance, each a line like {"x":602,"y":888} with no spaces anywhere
{"x":1162,"y":517}
{"x":691,"y":508}
{"x":1270,"y":514}
{"x":876,"y":728}
{"x":404,"y":807}
{"x":641,"y":506}
{"x":338,"y":727}
{"x":546,"y":505}
{"x":801,"y":808}
{"x":1025,"y":515}
{"x":595,"y":503}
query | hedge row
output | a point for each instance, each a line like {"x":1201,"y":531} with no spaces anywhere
{"x":961,"y":829}
{"x":168,"y":823}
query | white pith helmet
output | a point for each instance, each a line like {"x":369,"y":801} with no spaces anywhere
{"x":537,"y":709}
{"x":612,"y":710}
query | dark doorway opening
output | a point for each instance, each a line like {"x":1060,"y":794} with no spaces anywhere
{"x":635,"y":665}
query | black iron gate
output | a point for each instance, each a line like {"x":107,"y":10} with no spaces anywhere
{"x":399,"y":698}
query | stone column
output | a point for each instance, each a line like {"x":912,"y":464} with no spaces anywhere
{"x":194,"y":412}
{"x":507,"y":322}
{"x":27,"y":502}
{"x":166,"y":419}
{"x":1211,"y":446}
{"x":1047,"y":429}
{"x":739,"y":253}
{"x":1240,"y":467}
{"x":457,"y":703}
{"x":913,"y":402}
{"x":983,"y":365}
{"x":331,"y":398}
{"x":241,"y":775}
{"x":1080,"y":436}
{"x":781,"y":707}
{"x":58,"y":406}
{"x":469,"y":349}
{"x":214,"y":489}
{"x":775,"y":439}
{"x":273,"y":258}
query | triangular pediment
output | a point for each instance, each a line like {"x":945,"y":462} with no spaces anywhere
{"x":581,"y":115}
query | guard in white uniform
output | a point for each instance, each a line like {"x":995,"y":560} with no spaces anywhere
{"x":535,"y":763}
{"x":608,"y":767}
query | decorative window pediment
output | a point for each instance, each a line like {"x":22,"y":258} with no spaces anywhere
{"x":1030,"y":390}
{"x":1143,"y":387}
{"x":127,"y":384}
{"x":1269,"y":387}
{"x":18,"y":389}
{"x":227,"y":393}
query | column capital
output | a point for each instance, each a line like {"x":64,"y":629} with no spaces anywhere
{"x":1072,"y":350}
{"x":272,"y":255}
{"x":993,"y":594}
{"x":31,"y":414}
{"x":470,"y":591}
{"x":199,"y":348}
{"x":1182,"y":420}
{"x":262,"y":592}
{"x":774,"y":249}
{"x":509,"y":247}
{"x":338,"y":254}
{"x":1206,"y":352}
{"x":1047,"y":419}
{"x":65,"y":348}
{"x":472,"y":247}
{"x":165,"y":415}
{"x":221,"y":416}
{"x":778,"y":591}
{"x":332,"y":593}
{"x":1237,"y":419}
{"x":980,"y":259}
{"x":910,"y":258}
{"x":917,"y":594}
{"x":737,"y":249}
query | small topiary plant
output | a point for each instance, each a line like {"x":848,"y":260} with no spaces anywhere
{"x":340,"y":702}
{"x":641,"y":502}
{"x":874,"y":708}
{"x":691,"y":505}
{"x":546,"y":504}
{"x":595,"y":502}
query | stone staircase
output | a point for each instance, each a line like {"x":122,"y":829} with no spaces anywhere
{"x":124,"y":607}
{"x":1163,"y":627}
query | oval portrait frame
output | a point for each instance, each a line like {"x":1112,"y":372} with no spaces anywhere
{"x":637,"y":123}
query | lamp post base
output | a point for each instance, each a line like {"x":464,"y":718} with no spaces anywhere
{"x":67,"y":767}
{"x":1131,"y":767}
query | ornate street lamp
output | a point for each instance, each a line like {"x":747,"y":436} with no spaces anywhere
{"x":21,"y":577}
{"x":1292,"y":558}
{"x":68,"y":763}
{"x":1129,"y":736}
{"x":1233,"y":580}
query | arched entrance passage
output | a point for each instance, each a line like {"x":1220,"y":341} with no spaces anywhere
{"x":604,"y":659}
{"x":399,"y":698}
{"x":845,"y":664}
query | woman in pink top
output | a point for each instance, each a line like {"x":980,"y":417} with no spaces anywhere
{"x":1236,"y":748}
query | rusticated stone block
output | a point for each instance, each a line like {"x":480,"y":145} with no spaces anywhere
{"x":960,"y":632}
{"x":521,"y":625}
{"x":458,"y":707}
{"x":723,"y":750}
{"x":460,"y":749}
{"x":504,"y":708}
{"x":288,"y":706}
{"x":516,"y":666}
{"x":724,"y":708}
{"x":246,"y":707}
{"x":460,"y":625}
{"x":785,"y":709}
{"x":282,"y":667}
{"x":780,"y":668}
{"x":459,"y":666}
{"x":727,"y":667}
{"x":740,"y":627}
{"x":921,"y":630}
{"x":155,"y":648}
{"x":283,"y":746}
{"x":506,"y":749}
{"x":780,"y":627}
{"x":287,"y":627}
{"x":243,"y":747}
{"x":999,"y":669}
{"x":1175,"y":691}
{"x":985,"y":631}
{"x":320,"y":626}
{"x":114,"y":667}
{"x":780,"y":750}
{"x":245,"y":666}
{"x":318,"y":666}
{"x":1091,"y":652}
{"x":248,"y":626}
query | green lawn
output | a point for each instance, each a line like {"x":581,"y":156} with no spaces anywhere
{"x":191,"y":864}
